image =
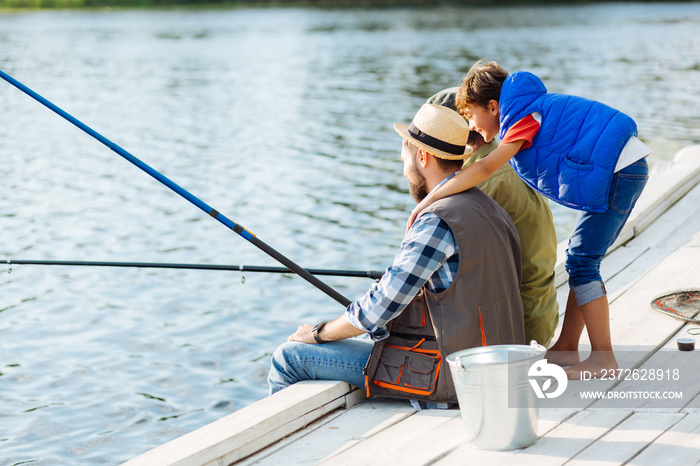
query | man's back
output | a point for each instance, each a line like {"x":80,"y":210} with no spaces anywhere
{"x":481,"y":307}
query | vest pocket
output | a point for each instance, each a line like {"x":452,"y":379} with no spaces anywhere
{"x":585,"y":166}
{"x":390,"y":365}
{"x":408,"y":369}
{"x":420,"y":372}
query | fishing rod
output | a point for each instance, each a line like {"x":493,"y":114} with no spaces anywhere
{"x":375,"y":275}
{"x":237,"y":228}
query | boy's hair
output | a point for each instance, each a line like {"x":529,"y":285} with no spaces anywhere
{"x":481,"y":85}
{"x":444,"y":164}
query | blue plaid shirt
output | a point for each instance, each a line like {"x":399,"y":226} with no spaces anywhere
{"x":428,"y":257}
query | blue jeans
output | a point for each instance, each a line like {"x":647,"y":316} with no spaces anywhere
{"x":339,"y":360}
{"x":594,"y":233}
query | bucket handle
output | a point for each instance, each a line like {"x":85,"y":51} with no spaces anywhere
{"x":537,"y":346}
{"x":533,"y":344}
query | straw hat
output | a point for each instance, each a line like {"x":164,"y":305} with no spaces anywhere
{"x":438,"y":130}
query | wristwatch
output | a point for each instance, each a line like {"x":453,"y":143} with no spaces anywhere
{"x":315,"y":331}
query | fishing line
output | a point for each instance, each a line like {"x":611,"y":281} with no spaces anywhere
{"x":237,"y":228}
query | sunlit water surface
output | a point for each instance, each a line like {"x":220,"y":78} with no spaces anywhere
{"x":281,"y":120}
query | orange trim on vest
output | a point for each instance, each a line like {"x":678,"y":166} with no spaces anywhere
{"x":481,"y":324}
{"x":415,"y":346}
{"x":427,"y":352}
{"x":402,"y":389}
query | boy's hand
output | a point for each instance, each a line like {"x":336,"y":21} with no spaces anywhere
{"x":411,"y":219}
{"x":416,"y":210}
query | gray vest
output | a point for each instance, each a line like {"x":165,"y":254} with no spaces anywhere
{"x":481,"y":307}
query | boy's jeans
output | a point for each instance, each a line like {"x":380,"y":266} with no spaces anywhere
{"x":594,"y":233}
{"x":339,"y":360}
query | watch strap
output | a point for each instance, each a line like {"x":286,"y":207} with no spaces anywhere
{"x":315,"y":331}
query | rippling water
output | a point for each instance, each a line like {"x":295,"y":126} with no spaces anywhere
{"x":281,"y":120}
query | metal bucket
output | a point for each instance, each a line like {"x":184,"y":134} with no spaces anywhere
{"x":497,"y":403}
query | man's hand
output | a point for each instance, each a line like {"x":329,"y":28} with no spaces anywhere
{"x":303,"y":334}
{"x":338,"y":329}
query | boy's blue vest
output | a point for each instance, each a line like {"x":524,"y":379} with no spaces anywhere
{"x":573,"y":156}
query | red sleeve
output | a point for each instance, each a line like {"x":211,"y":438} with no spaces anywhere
{"x":523,"y":130}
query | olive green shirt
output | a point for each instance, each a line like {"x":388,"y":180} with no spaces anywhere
{"x":530,"y":212}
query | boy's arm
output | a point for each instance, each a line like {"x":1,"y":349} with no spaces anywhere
{"x":470,"y":176}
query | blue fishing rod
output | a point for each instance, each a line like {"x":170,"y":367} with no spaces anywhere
{"x":237,"y":228}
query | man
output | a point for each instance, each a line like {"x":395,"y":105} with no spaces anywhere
{"x":454,"y":284}
{"x":530,"y":212}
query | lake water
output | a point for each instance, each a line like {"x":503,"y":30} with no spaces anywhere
{"x":278,"y":118}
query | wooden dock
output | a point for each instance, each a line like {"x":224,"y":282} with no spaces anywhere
{"x":328,"y":423}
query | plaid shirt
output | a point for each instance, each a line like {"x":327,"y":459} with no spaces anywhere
{"x":428,"y":257}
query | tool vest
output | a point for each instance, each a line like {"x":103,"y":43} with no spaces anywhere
{"x":482,"y":306}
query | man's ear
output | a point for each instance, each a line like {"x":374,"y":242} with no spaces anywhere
{"x":492,"y":107}
{"x":422,"y":158}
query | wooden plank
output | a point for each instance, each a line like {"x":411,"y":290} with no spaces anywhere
{"x":466,"y":454}
{"x":569,"y":438}
{"x":667,"y":360}
{"x":549,"y":418}
{"x":678,"y":445}
{"x":632,"y":320}
{"x":693,"y":406}
{"x":626,"y":440}
{"x":329,"y":437}
{"x":251,"y":428}
{"x":676,"y":217}
{"x":262,"y":455}
{"x":620,"y":268}
{"x":417,"y":440}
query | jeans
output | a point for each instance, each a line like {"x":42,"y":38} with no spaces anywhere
{"x":594,"y":233}
{"x":339,"y":360}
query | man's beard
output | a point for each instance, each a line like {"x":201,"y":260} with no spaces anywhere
{"x":419,"y":190}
